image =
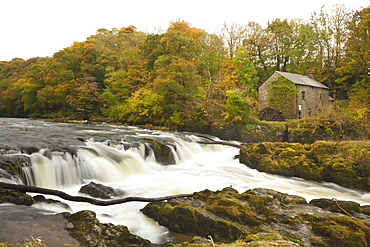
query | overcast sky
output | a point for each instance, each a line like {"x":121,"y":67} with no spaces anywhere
{"x":31,"y":28}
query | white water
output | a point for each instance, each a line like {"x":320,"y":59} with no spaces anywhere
{"x":197,"y":167}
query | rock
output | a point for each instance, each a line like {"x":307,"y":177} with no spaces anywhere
{"x":90,"y":232}
{"x":11,"y":166}
{"x":258,"y":217}
{"x":162,"y":152}
{"x":19,"y":223}
{"x":336,"y":206}
{"x":343,"y":163}
{"x":268,"y":239}
{"x":98,"y":190}
{"x":16,"y":197}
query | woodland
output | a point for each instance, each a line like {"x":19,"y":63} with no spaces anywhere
{"x":188,"y":79}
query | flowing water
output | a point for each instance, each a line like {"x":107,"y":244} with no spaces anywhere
{"x":120,"y":157}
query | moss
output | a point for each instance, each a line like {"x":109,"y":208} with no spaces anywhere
{"x":344,"y":163}
{"x":88,"y":230}
{"x":270,"y":239}
{"x":342,"y":231}
{"x":16,"y":197}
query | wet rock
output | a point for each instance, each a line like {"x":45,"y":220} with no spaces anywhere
{"x":259,"y":217}
{"x":48,"y":152}
{"x":90,"y":232}
{"x":42,"y":199}
{"x":8,"y":149}
{"x":29,"y":148}
{"x":98,"y":190}
{"x":19,"y":223}
{"x":11,"y":166}
{"x":162,"y":152}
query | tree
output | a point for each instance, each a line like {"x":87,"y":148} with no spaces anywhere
{"x":240,"y":109}
{"x":331,"y":32}
{"x":282,"y":33}
{"x":258,"y":43}
{"x":178,"y":84}
{"x":85,"y":100}
{"x":11,"y":72}
{"x":245,"y":72}
{"x":355,"y":73}
{"x":233,"y":35}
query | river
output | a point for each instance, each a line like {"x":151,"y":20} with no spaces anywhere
{"x":118,"y":156}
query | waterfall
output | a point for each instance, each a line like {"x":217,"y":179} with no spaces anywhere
{"x":124,"y":158}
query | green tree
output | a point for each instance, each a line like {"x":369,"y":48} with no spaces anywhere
{"x":245,"y":72}
{"x":331,"y":32}
{"x":282,"y":33}
{"x":258,"y":43}
{"x":177,"y":82}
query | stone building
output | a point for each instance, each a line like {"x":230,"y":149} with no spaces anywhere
{"x":310,"y":98}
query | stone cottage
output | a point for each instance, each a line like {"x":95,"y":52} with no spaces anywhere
{"x":310,"y":97}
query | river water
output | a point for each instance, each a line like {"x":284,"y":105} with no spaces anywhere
{"x":118,"y":156}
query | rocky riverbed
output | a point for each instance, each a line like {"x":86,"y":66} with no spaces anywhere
{"x":256,"y":217}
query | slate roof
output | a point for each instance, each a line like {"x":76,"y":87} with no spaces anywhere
{"x":302,"y":80}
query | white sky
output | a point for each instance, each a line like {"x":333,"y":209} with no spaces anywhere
{"x":31,"y":28}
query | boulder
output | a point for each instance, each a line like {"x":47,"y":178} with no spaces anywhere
{"x":162,"y":152}
{"x":16,"y":197}
{"x":88,"y":230}
{"x":258,"y":217}
{"x":11,"y":166}
{"x":98,"y":190}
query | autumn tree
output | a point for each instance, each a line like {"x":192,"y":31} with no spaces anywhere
{"x":355,"y":73}
{"x":124,"y":66}
{"x":10,"y":89}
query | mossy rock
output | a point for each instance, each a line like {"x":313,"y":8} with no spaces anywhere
{"x":16,"y":197}
{"x":208,"y":213}
{"x":263,"y":239}
{"x":344,"y":163}
{"x":88,"y":230}
{"x":337,"y":206}
{"x":259,"y":217}
{"x":342,"y":231}
{"x":12,"y":165}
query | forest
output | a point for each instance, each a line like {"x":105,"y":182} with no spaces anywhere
{"x":187,"y":79}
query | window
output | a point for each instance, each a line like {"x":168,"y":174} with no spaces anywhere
{"x":303,"y":94}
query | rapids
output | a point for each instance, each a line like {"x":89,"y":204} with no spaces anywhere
{"x":119,"y":157}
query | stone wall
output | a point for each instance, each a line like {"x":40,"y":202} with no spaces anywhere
{"x":310,"y":99}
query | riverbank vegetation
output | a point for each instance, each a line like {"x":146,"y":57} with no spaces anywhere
{"x":188,"y":79}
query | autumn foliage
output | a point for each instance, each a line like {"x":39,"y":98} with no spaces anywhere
{"x":187,"y":78}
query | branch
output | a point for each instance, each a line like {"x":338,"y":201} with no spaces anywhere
{"x":211,"y":141}
{"x":61,"y":194}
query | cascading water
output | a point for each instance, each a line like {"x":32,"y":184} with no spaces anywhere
{"x":129,"y":165}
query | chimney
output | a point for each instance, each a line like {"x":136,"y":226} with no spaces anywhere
{"x":310,"y":75}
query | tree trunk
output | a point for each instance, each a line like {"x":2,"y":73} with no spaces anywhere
{"x":61,"y":194}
